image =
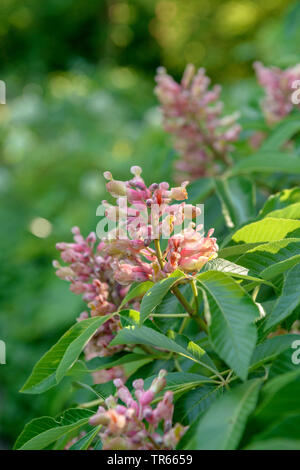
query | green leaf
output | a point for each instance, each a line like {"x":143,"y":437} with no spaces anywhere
{"x":234,"y":251}
{"x":191,"y":405}
{"x":137,"y":291}
{"x":42,"y":432}
{"x":279,"y":398}
{"x":290,"y":212}
{"x":281,"y":200}
{"x":266,"y":230}
{"x":100,"y":363}
{"x":267,"y":162}
{"x":54,"y":365}
{"x":271,"y":348}
{"x":271,"y":259}
{"x":237,"y":196}
{"x":155,"y":295}
{"x":150,"y":337}
{"x":230,"y":315}
{"x":85,"y":442}
{"x":234,"y":270}
{"x":288,"y":300}
{"x":199,"y":190}
{"x":287,"y":428}
{"x":282,"y":133}
{"x":223,"y":424}
{"x":274,"y":444}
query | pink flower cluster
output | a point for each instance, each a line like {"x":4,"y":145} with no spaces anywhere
{"x":192,"y":113}
{"x":135,"y":424}
{"x":278,"y":86}
{"x":190,"y":251}
{"x":134,"y":259}
{"x":89,"y":274}
{"x":101,"y":272}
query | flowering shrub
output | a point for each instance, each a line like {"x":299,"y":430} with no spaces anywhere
{"x":188,"y":342}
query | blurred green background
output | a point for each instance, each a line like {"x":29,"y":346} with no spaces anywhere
{"x":80,"y":77}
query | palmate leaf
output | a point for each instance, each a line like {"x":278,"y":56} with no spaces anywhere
{"x":237,"y":196}
{"x":41,"y":432}
{"x":230,"y":315}
{"x":53,"y":366}
{"x":223,"y":424}
{"x":267,"y":162}
{"x":288,"y":300}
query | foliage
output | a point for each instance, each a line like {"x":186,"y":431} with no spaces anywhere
{"x":61,"y":129}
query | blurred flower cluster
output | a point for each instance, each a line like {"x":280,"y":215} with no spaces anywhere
{"x":136,"y":425}
{"x":102,"y":272}
{"x":279,"y":86}
{"x":192,"y":113}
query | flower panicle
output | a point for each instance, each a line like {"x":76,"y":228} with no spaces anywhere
{"x":135,"y":424}
{"x":192,"y":114}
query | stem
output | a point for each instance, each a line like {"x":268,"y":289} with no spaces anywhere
{"x":195,"y":292}
{"x":189,"y":308}
{"x":170,"y":315}
{"x":159,"y":254}
{"x":177,"y":292}
{"x":182,"y":326}
{"x":91,"y":404}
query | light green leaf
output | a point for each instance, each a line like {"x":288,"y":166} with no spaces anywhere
{"x":230,"y":315}
{"x":266,"y":230}
{"x":54,"y":365}
{"x":281,"y":200}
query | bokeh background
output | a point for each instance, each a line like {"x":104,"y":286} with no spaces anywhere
{"x":80,"y":78}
